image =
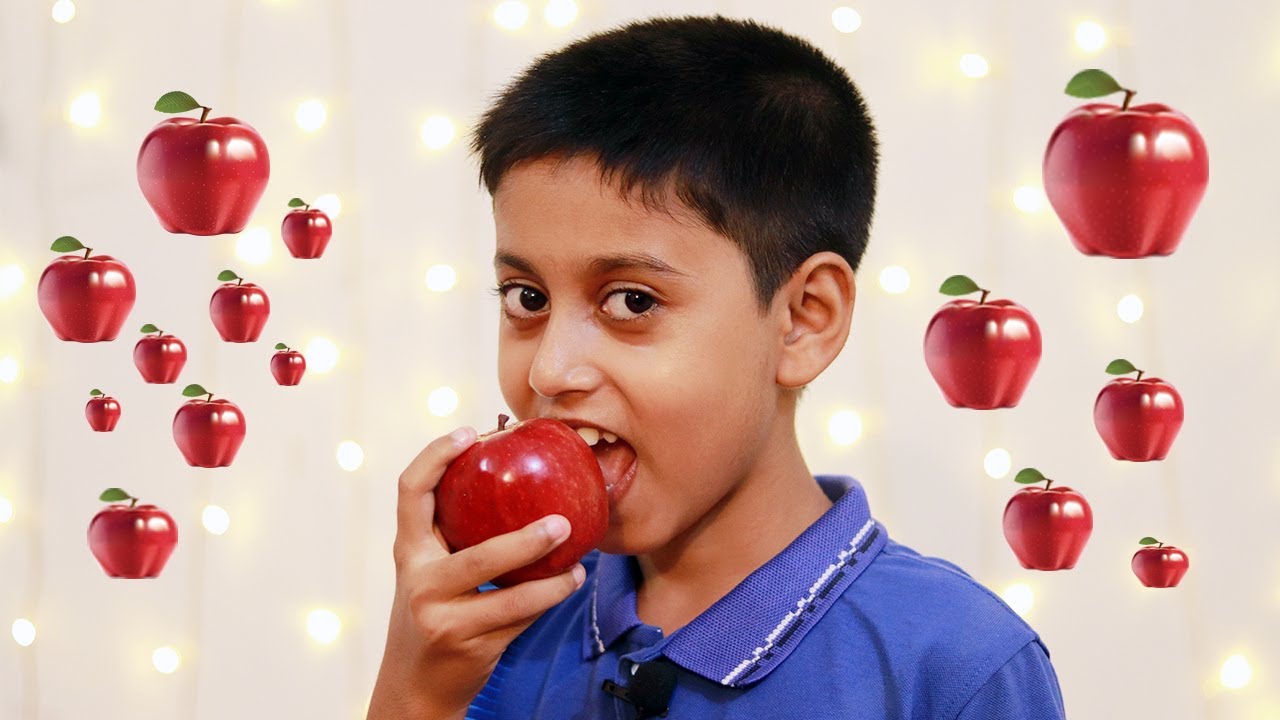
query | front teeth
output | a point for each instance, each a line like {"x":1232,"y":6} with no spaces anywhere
{"x":609,"y":437}
{"x":593,"y":435}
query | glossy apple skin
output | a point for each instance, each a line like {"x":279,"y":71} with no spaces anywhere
{"x":132,"y":542}
{"x":203,"y":178}
{"x":1138,"y":419}
{"x":86,"y":300}
{"x":102,"y":413}
{"x":1160,"y":567}
{"x":982,"y":356}
{"x":160,"y":359}
{"x":239,"y":312}
{"x":1125,"y":183}
{"x":209,"y":433}
{"x":1047,"y":529}
{"x":509,"y":478}
{"x":287,"y":366}
{"x":306,"y":232}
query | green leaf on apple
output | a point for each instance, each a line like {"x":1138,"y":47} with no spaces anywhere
{"x":281,"y":346}
{"x":1027,"y":476}
{"x":114,"y":495}
{"x":958,"y":285}
{"x":297,"y":202}
{"x":1148,"y":541}
{"x":1091,"y":84}
{"x":228,"y":276}
{"x":176,"y":102}
{"x":194,"y":390}
{"x":66,"y":243}
{"x":149,"y":328}
{"x":95,"y":392}
{"x":1121,"y":367}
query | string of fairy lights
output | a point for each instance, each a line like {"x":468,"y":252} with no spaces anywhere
{"x":439,"y":132}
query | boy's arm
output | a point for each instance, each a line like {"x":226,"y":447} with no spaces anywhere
{"x":1025,"y":688}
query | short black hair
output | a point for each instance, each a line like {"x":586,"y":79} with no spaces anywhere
{"x":757,"y":131}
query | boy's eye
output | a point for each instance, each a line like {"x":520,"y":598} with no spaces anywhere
{"x":624,"y":304}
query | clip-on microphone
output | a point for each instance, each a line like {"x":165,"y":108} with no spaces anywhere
{"x":650,"y":690}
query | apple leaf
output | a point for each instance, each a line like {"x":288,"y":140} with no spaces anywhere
{"x":297,"y":202}
{"x":1148,"y":541}
{"x":1121,"y":367}
{"x":958,"y":285}
{"x":281,"y":346}
{"x":66,"y":243}
{"x":114,"y":495}
{"x":1091,"y":84}
{"x":149,"y":328}
{"x":228,"y":275}
{"x":95,"y":392}
{"x":176,"y":102}
{"x":1027,"y":476}
{"x":194,"y":390}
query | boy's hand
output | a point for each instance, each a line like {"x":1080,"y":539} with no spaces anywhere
{"x":445,"y":637}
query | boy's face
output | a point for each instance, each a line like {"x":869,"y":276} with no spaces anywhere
{"x":683,"y":367}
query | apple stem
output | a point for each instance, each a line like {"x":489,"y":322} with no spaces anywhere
{"x":86,"y":253}
{"x":1048,"y":483}
{"x":239,"y":280}
{"x":502,"y":421}
{"x":983,"y":299}
{"x":1128,"y":95}
{"x":205,"y":112}
{"x":133,"y":501}
{"x":1140,"y":374}
{"x":210,"y":398}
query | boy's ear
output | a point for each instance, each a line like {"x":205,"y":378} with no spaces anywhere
{"x":815,"y":308}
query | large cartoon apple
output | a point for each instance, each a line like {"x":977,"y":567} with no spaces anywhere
{"x":102,"y":411}
{"x":160,"y":357}
{"x":208,"y":432}
{"x":85,"y":299}
{"x":287,"y":365}
{"x":1161,"y":566}
{"x":239,"y":310}
{"x":1137,"y":418}
{"x":306,"y":230}
{"x":131,"y":541}
{"x":1047,"y":527}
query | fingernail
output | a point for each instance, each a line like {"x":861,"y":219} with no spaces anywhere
{"x":579,"y":574}
{"x":556,"y":527}
{"x":461,"y":434}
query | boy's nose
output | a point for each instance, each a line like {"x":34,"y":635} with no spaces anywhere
{"x":564,"y":360}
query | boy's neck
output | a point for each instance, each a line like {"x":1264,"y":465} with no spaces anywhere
{"x":752,"y":524}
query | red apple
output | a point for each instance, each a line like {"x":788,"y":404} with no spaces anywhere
{"x":1047,"y":528}
{"x":160,"y":358}
{"x":208,"y":432}
{"x":1159,"y":567}
{"x":201,"y":177}
{"x":85,"y":299}
{"x":239,"y":310}
{"x":515,"y":475}
{"x":1124,"y":180}
{"x":288,"y":365}
{"x":305,"y":231}
{"x":1137,"y":418}
{"x":131,"y":541}
{"x":981,"y":354}
{"x":102,"y":412}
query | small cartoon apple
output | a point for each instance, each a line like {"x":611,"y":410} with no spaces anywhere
{"x":160,"y":357}
{"x":208,"y":432}
{"x":131,"y":541}
{"x":1161,"y":566}
{"x":1137,"y":418}
{"x":305,"y":230}
{"x":102,"y":411}
{"x":239,"y":310}
{"x":85,"y":299}
{"x":1047,"y":527}
{"x":287,"y":365}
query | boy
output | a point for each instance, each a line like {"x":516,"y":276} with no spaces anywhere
{"x":680,"y":206}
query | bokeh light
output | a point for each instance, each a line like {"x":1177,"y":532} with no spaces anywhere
{"x":11,"y":279}
{"x":560,"y":13}
{"x":1090,"y":36}
{"x":974,"y":65}
{"x":895,"y":279}
{"x":166,"y":659}
{"x":846,"y":19}
{"x":254,"y":246}
{"x":1029,"y":199}
{"x":511,"y":15}
{"x":440,"y":278}
{"x":1236,"y":672}
{"x":442,"y":401}
{"x":24,"y":632}
{"x":10,"y":370}
{"x":1130,"y":308}
{"x":64,"y":11}
{"x":844,"y":427}
{"x":6,"y":510}
{"x":323,"y":625}
{"x":330,"y":204}
{"x":321,"y":354}
{"x":215,"y":519}
{"x":1019,"y":597}
{"x":85,"y":110}
{"x":437,"y":131}
{"x":997,"y":463}
{"x":350,"y":455}
{"x":310,"y":115}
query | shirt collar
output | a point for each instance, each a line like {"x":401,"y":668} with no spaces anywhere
{"x":751,"y":630}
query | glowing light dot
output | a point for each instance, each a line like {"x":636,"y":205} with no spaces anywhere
{"x":846,"y":19}
{"x":24,"y":632}
{"x":844,"y":427}
{"x":215,"y":519}
{"x":1019,"y":597}
{"x":6,"y":510}
{"x":974,"y":65}
{"x":1236,"y":672}
{"x":9,"y":369}
{"x":895,"y":279}
{"x":511,"y":15}
{"x":165,"y":659}
{"x":440,"y":278}
{"x":321,"y":354}
{"x":86,"y":110}
{"x":1129,"y":308}
{"x":1029,"y":199}
{"x":330,"y":204}
{"x":350,"y":455}
{"x":254,"y":246}
{"x":64,"y":11}
{"x":11,"y":279}
{"x":442,"y":401}
{"x":437,"y":132}
{"x":310,"y":115}
{"x":560,"y":13}
{"x":997,"y":463}
{"x":323,"y":625}
{"x":1090,"y":36}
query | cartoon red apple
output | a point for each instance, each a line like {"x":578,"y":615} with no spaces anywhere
{"x":1161,"y":566}
{"x":1137,"y":418}
{"x":239,"y":310}
{"x":1047,"y":527}
{"x":306,"y":231}
{"x":160,"y":357}
{"x":208,"y":432}
{"x":201,"y":177}
{"x":85,"y":299}
{"x":515,"y":475}
{"x":131,"y":541}
{"x":102,"y":411}
{"x":981,"y":354}
{"x":287,"y":365}
{"x":1124,"y":180}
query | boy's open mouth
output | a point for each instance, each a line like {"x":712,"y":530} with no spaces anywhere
{"x":616,"y":457}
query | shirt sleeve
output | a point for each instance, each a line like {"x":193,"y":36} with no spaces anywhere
{"x":1024,"y":688}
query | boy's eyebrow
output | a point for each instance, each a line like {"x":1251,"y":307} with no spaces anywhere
{"x":600,"y":264}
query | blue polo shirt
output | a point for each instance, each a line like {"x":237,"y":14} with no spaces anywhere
{"x":843,"y":623}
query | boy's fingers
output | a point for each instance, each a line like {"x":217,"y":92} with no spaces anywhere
{"x":472,"y":567}
{"x":415,"y":507}
{"x":520,"y":604}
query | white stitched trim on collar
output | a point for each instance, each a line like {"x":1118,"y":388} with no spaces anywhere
{"x":595,"y":627}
